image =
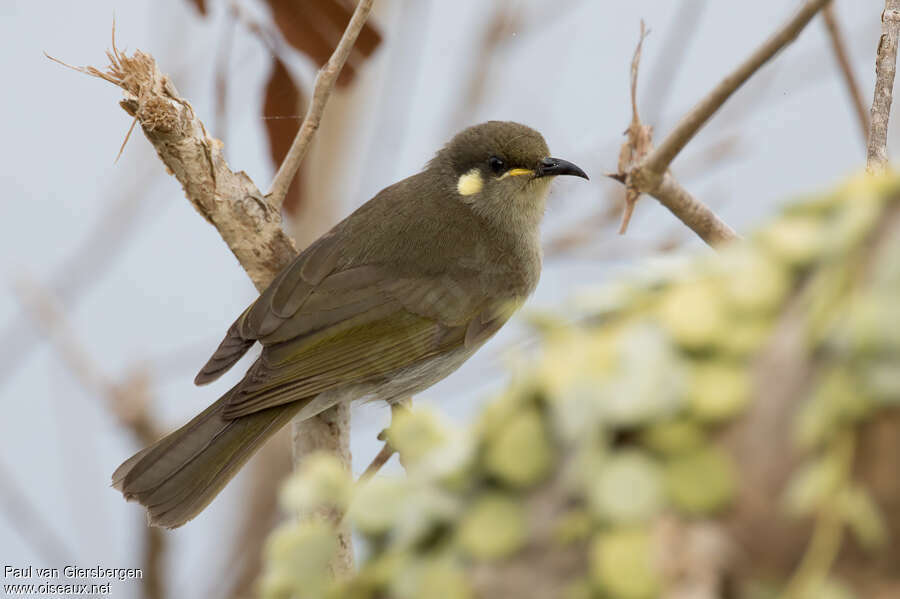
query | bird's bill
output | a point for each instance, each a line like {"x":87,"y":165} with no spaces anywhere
{"x":552,"y":167}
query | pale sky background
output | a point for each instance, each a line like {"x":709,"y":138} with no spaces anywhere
{"x":165,"y":293}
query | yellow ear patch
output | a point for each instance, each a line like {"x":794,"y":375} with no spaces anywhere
{"x":470,"y":183}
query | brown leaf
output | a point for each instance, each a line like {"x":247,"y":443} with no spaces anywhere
{"x":283,"y":110}
{"x":200,"y":5}
{"x":314,"y":27}
{"x":338,"y":13}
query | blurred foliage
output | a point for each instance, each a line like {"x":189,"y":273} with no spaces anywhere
{"x":616,"y":425}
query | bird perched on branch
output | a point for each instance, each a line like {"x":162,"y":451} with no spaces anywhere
{"x":390,"y":301}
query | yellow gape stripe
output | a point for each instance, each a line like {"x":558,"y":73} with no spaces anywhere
{"x":516,"y":172}
{"x":470,"y":183}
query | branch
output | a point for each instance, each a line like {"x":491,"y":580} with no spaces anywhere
{"x":387,"y":451}
{"x":660,"y":159}
{"x":885,"y":69}
{"x":839,"y":45}
{"x":645,"y":170}
{"x":325,"y":81}
{"x":228,"y":200}
{"x":329,"y":431}
{"x":249,"y":224}
{"x":382,"y":458}
{"x":693,"y":213}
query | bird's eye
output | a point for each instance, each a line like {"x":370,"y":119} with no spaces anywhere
{"x":497,"y":165}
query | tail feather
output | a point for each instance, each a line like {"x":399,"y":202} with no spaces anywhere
{"x":180,"y":474}
{"x":232,"y":349}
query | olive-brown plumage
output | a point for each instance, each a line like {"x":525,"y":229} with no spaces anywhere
{"x":391,"y":300}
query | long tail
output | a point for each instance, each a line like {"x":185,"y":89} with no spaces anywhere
{"x":176,"y":477}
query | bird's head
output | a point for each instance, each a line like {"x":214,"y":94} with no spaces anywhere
{"x":502,"y":170}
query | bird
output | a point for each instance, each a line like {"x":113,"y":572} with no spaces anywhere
{"x":391,"y":300}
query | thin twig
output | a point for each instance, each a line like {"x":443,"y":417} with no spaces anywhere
{"x":702,"y":162}
{"x":380,"y":460}
{"x":387,"y":450}
{"x":125,"y":141}
{"x":841,"y":54}
{"x":660,"y":159}
{"x":885,"y":69}
{"x":325,"y":81}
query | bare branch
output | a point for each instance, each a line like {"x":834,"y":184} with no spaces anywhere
{"x":693,"y":213}
{"x":386,"y":451}
{"x":660,"y":159}
{"x":377,"y":462}
{"x":329,"y":432}
{"x":650,"y":174}
{"x":325,"y":81}
{"x":839,"y":45}
{"x":885,"y":69}
{"x":154,"y":553}
{"x":637,"y":179}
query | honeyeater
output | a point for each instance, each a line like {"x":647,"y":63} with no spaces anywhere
{"x":391,"y":300}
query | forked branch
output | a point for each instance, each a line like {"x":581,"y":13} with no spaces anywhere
{"x":646,"y":170}
{"x":660,"y":159}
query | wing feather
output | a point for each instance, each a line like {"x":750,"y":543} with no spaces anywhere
{"x":324,"y":325}
{"x":361,"y":354}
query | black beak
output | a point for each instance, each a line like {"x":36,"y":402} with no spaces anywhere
{"x":551,"y":167}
